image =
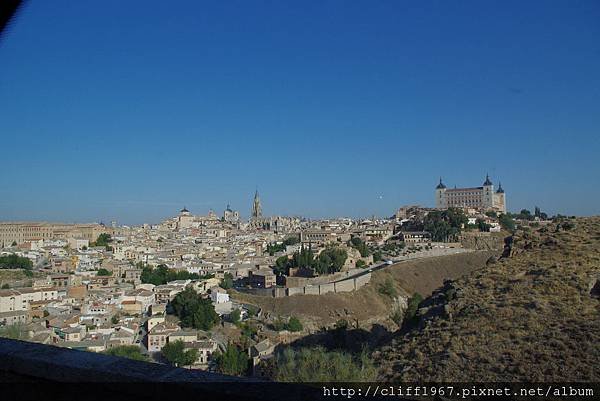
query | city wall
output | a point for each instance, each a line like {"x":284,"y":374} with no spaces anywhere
{"x":347,"y":285}
{"x":339,"y":282}
{"x":305,"y":281}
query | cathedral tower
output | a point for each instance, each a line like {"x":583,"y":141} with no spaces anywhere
{"x":256,"y":207}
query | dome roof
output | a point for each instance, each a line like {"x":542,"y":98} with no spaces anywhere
{"x":184,"y":210}
{"x":440,"y":185}
{"x":487,"y":180}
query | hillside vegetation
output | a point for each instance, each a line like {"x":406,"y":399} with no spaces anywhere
{"x":368,"y":305}
{"x":532,"y":315}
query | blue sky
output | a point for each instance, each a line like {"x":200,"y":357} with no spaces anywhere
{"x":130,"y":110}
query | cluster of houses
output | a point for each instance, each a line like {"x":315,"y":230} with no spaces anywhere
{"x":100,"y":313}
{"x":92,"y":297}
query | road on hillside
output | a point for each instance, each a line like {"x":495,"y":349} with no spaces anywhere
{"x":396,"y":261}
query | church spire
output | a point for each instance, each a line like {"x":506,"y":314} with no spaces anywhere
{"x":256,"y":206}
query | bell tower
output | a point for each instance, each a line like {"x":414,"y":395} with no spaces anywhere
{"x":256,"y":206}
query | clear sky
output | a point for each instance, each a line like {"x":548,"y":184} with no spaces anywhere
{"x":129,"y":110}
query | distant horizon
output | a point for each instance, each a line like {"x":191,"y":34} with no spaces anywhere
{"x":219,"y":213}
{"x":328,"y":108}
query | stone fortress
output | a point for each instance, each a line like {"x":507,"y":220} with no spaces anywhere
{"x":483,"y":198}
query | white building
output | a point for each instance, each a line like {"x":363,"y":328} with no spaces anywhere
{"x":219,"y":295}
{"x":483,"y":198}
{"x":18,"y":300}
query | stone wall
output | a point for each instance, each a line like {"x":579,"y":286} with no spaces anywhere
{"x":39,"y":371}
{"x":325,"y":288}
{"x":345,"y":286}
{"x":362,"y":280}
{"x":311,"y":290}
{"x":295,"y":291}
{"x":348,"y":285}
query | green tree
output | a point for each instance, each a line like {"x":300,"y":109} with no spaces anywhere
{"x":282,"y":261}
{"x":14,"y":243}
{"x":360,"y":263}
{"x":114,"y":319}
{"x":227,"y":281}
{"x":377,"y":256}
{"x":234,"y":361}
{"x":13,"y":261}
{"x":445,"y":225}
{"x":248,"y":330}
{"x":278,"y":324}
{"x":162,"y":274}
{"x":127,"y":351}
{"x":525,"y":215}
{"x":281,"y":265}
{"x":341,"y":324}
{"x":388,"y":289}
{"x":294,"y":324}
{"x":304,"y":258}
{"x":539,"y":214}
{"x":318,"y":365}
{"x":507,"y":222}
{"x":103,"y":272}
{"x":482,"y":225}
{"x":272,"y":249}
{"x":5,"y":286}
{"x":177,"y":355}
{"x":16,"y":331}
{"x":293,"y":240}
{"x":155,"y":276}
{"x":413,"y":307}
{"x":194,"y":311}
{"x":234,"y":316}
{"x":103,"y":240}
{"x":252,"y":310}
{"x":360,"y":245}
{"x":330,"y":260}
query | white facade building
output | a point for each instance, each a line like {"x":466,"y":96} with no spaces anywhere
{"x":219,"y":295}
{"x":484,"y":197}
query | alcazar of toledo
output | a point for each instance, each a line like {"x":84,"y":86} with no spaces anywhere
{"x":484,"y":197}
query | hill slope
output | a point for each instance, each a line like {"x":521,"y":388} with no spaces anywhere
{"x":531,"y":316}
{"x":367,"y":305}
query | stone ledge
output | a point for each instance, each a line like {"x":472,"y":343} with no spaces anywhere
{"x":49,"y":364}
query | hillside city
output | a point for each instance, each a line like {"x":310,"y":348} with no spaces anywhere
{"x":219,"y":293}
{"x":282,"y":200}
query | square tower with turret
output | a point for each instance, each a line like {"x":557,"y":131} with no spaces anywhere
{"x":484,"y":197}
